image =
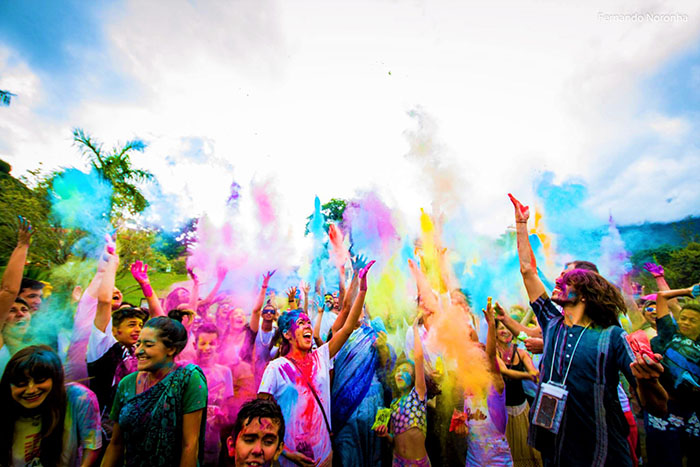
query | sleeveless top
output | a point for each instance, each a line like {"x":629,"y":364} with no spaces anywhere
{"x":409,"y":411}
{"x":515,"y":395}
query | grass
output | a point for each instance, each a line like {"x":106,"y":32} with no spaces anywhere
{"x":160,"y":281}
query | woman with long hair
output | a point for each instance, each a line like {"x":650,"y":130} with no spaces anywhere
{"x":45,"y":421}
{"x":576,"y":418}
{"x":158,"y":409}
{"x":300,"y":383}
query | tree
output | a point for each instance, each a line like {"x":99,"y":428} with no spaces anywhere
{"x":51,"y":245}
{"x":332,"y":212}
{"x":136,"y":245}
{"x":683,"y":268}
{"x":116,"y":167}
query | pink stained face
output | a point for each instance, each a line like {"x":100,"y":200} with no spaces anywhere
{"x":564,"y":294}
{"x":258,"y":443}
{"x":503,"y":334}
{"x":302,"y":332}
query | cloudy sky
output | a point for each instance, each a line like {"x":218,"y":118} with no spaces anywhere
{"x":459,"y":101}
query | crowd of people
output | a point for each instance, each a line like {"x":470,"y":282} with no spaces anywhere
{"x":588,"y":376}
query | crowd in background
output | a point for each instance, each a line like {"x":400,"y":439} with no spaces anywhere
{"x":588,"y":375}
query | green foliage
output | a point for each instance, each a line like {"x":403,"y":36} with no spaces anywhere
{"x":50,"y":245}
{"x":681,"y":265}
{"x":175,"y":243}
{"x":116,"y":167}
{"x":684,"y":266}
{"x":160,"y":281}
{"x":137,"y":245}
{"x":332,"y":212}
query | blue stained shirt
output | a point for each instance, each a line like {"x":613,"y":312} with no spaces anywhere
{"x":576,"y":441}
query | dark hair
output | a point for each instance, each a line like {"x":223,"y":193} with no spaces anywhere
{"x":284,"y":324}
{"x":171,"y":332}
{"x":28,"y":283}
{"x":122,"y":314}
{"x":177,"y":315}
{"x":206,"y":328}
{"x":173,"y":300}
{"x":585,"y":265}
{"x":21,"y":300}
{"x":691,"y":306}
{"x":603,"y":300}
{"x":259,"y":408}
{"x":38,"y":362}
{"x":432,"y":387}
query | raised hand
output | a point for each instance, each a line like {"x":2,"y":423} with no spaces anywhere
{"x":306,"y":288}
{"x":654,"y":269}
{"x":362,"y":275}
{"x":291,"y":294}
{"x":522,"y":213}
{"x":358,"y":262}
{"x":695,"y":291}
{"x":140,"y":272}
{"x":488,"y":313}
{"x":193,"y":276}
{"x":221,"y":273}
{"x":267,"y":276}
{"x":500,"y":312}
{"x":24,"y":232}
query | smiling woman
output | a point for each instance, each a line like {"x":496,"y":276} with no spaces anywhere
{"x":47,"y":422}
{"x":158,"y":410}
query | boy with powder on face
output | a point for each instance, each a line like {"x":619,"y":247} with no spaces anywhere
{"x":220,"y":384}
{"x":258,"y":434}
{"x":300,"y":382}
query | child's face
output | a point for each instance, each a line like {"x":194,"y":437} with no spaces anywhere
{"x":403,"y":376}
{"x":689,"y":323}
{"x":207,"y":344}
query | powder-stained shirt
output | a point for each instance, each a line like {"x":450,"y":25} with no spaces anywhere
{"x":305,"y":426}
{"x":81,"y":430}
{"x":681,"y":376}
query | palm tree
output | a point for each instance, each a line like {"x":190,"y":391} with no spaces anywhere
{"x":116,"y":168}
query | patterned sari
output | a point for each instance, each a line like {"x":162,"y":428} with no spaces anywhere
{"x":151,"y":422}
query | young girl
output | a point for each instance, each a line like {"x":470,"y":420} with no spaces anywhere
{"x":46,"y":422}
{"x":516,"y":366}
{"x":486,"y":416}
{"x":408,"y":423}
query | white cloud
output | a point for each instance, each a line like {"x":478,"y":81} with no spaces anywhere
{"x":317,"y":94}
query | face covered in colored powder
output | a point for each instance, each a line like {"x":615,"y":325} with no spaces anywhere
{"x":564,"y":294}
{"x":18,"y":319}
{"x":503,"y":334}
{"x":257,"y":444}
{"x":300,"y":334}
{"x":403,"y":376}
{"x":207,"y":344}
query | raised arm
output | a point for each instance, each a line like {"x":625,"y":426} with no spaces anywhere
{"x":663,"y":298}
{"x":140,"y":272}
{"x":528,"y":265}
{"x":12,"y":277}
{"x":421,"y":387}
{"x":317,"y":324}
{"x":257,"y":307}
{"x":491,"y":347}
{"x":657,"y":271}
{"x":346,"y":304}
{"x":106,"y":290}
{"x":514,"y":326}
{"x":306,"y":288}
{"x":339,"y":338}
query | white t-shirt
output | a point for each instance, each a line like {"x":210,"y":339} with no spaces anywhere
{"x":99,"y":342}
{"x":83,"y":322}
{"x":304,"y":420}
{"x":327,"y":321}
{"x":81,"y":430}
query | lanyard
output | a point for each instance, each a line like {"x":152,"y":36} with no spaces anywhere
{"x":556,"y":344}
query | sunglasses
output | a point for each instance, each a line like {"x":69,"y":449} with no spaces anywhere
{"x":650,"y":308}
{"x":268,"y":310}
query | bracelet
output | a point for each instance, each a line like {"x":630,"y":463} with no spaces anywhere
{"x":521,"y":222}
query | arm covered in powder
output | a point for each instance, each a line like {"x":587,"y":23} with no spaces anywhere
{"x":528,"y":266}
